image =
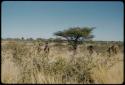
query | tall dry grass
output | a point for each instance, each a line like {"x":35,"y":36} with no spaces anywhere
{"x":23,"y":64}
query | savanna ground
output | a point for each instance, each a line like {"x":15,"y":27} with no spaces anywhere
{"x":21,"y":63}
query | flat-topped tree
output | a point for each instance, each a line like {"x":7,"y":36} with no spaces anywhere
{"x":76,"y":34}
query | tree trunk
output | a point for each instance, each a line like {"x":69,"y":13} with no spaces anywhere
{"x":75,"y":44}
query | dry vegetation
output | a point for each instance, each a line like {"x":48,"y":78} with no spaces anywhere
{"x":21,"y":63}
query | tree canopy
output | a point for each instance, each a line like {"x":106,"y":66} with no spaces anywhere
{"x":76,"y":33}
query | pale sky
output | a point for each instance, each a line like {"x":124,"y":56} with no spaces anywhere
{"x":43,"y":18}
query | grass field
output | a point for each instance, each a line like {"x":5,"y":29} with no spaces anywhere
{"x":21,"y":63}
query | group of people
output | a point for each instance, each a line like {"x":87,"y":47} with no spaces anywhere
{"x":110,"y":50}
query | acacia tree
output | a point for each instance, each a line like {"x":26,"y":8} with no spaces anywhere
{"x":75,"y":35}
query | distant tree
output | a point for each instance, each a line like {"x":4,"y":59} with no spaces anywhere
{"x":30,"y":39}
{"x":9,"y":39}
{"x":58,"y":40}
{"x":22,"y":38}
{"x":39,"y":39}
{"x":50,"y":40}
{"x":75,"y":35}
